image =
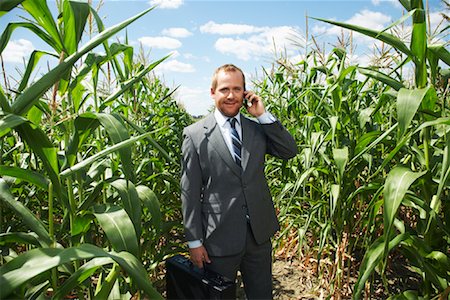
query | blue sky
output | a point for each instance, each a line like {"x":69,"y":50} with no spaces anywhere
{"x":202,"y":35}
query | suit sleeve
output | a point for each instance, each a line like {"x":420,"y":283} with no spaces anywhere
{"x":191,"y":189}
{"x":280,"y":142}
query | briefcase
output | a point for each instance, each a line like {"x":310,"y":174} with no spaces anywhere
{"x":185,"y":281}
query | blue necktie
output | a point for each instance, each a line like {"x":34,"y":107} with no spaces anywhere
{"x":236,"y":141}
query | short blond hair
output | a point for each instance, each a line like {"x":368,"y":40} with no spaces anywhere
{"x":225,"y":68}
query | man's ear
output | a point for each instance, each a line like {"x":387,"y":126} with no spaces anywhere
{"x":211,"y":91}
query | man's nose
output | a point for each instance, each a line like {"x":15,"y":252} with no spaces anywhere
{"x":231,"y":94}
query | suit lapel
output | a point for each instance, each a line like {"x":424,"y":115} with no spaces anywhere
{"x":214,"y":135}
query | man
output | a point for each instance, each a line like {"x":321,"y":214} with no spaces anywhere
{"x":228,"y":212}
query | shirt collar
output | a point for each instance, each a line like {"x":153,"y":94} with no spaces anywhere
{"x":222,"y":120}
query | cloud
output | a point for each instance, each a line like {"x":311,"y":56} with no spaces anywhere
{"x":228,"y":29}
{"x":259,"y":45}
{"x":177,"y":32}
{"x":160,"y":42}
{"x":197,"y":101}
{"x":175,"y":66}
{"x":167,"y":4}
{"x":17,"y":50}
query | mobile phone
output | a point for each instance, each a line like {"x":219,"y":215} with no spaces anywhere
{"x":247,"y":103}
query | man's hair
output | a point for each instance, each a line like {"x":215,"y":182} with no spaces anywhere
{"x":225,"y":68}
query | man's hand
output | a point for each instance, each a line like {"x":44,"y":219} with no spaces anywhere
{"x":199,"y":256}
{"x":256,"y":106}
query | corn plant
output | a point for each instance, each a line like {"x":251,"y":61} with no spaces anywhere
{"x":372,"y":175}
{"x":83,"y":218}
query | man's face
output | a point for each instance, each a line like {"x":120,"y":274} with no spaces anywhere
{"x":229,"y":93}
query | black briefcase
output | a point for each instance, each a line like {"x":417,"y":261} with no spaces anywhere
{"x":185,"y":281}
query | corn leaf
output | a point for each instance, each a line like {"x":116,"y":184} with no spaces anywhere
{"x":38,"y":261}
{"x":9,"y":121}
{"x":131,"y":202}
{"x":83,"y":273}
{"x":372,"y":259}
{"x":29,"y":238}
{"x":43,"y":16}
{"x":75,"y":14}
{"x":129,"y":83}
{"x":4,"y":39}
{"x":408,"y":102}
{"x":118,"y":227}
{"x":441,"y":52}
{"x":117,"y":131}
{"x":23,"y":213}
{"x":150,"y":201}
{"x":30,"y":176}
{"x":33,"y":93}
{"x":384,"y":37}
{"x":397,"y":184}
{"x":395,"y":84}
{"x":32,"y":62}
{"x":340,"y":158}
{"x":7,"y":5}
{"x":85,"y":163}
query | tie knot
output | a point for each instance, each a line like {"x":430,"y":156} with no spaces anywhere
{"x":233,"y":122}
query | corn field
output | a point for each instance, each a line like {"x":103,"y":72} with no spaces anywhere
{"x":89,"y":162}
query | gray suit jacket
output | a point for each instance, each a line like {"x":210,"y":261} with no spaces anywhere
{"x":216,"y":193}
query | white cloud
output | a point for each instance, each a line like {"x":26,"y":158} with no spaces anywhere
{"x":16,"y":50}
{"x":177,"y":32}
{"x":393,"y":2}
{"x":169,"y":4}
{"x":259,"y":45}
{"x":197,"y":101}
{"x":175,"y":66}
{"x":160,"y":42}
{"x":228,"y":29}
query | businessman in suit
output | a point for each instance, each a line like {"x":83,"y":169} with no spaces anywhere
{"x":228,"y":213}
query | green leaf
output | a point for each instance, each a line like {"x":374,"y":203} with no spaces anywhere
{"x":441,"y":52}
{"x":83,"y":273}
{"x":38,"y":261}
{"x":382,"y":36}
{"x":33,"y":93}
{"x":33,"y":223}
{"x":340,"y":158}
{"x":32,"y":62}
{"x":408,"y":102}
{"x":75,"y":14}
{"x":129,"y":83}
{"x":397,"y":184}
{"x":131,"y":202}
{"x":395,"y":84}
{"x":30,"y":176}
{"x":7,"y":5}
{"x":4,"y":39}
{"x":118,"y":228}
{"x":118,"y":132}
{"x":88,"y":161}
{"x":43,"y":16}
{"x":150,"y":201}
{"x":372,"y":259}
{"x":19,"y":238}
{"x":9,"y":121}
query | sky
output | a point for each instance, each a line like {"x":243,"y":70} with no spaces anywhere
{"x":201,"y":35}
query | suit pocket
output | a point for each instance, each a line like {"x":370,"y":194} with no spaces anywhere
{"x":211,"y":207}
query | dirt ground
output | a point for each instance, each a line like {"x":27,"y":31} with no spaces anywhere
{"x":291,"y":280}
